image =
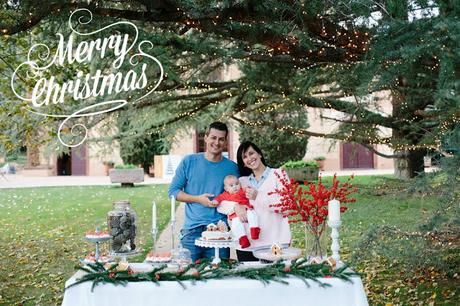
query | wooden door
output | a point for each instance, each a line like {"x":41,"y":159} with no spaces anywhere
{"x":79,"y":158}
{"x":355,"y":156}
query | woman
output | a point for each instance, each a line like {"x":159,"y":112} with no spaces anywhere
{"x":259,"y":180}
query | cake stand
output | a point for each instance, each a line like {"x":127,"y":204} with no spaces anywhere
{"x":288,"y":254}
{"x":96,"y":241}
{"x":124,"y":255}
{"x":216,"y":244}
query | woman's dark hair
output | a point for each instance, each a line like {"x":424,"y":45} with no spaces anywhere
{"x":244,"y":146}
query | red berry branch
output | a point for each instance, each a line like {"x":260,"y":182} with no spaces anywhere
{"x":310,"y":204}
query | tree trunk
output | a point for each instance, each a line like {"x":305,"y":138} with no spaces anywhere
{"x":411,"y":165}
{"x":146,"y":167}
{"x":33,"y":156}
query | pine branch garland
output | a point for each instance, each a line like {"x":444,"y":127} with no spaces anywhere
{"x":203,"y":271}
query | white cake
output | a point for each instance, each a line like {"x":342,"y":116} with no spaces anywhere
{"x":97,"y":235}
{"x":158,"y":257}
{"x":91,"y":258}
{"x":216,"y":235}
{"x":217,"y":232}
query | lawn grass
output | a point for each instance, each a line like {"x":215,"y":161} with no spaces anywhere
{"x":43,"y":228}
{"x":383,"y":201}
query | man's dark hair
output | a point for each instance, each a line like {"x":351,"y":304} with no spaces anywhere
{"x":218,"y":126}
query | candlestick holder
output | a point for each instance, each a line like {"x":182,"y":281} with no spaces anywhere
{"x":173,"y":230}
{"x":154,"y":239}
{"x":335,"y":246}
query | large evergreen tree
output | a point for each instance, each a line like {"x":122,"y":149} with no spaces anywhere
{"x":141,"y":149}
{"x":291,"y":54}
{"x":278,"y":146}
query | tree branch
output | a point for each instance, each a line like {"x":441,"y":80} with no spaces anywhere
{"x":348,"y":108}
{"x":348,"y":44}
{"x":202,"y":95}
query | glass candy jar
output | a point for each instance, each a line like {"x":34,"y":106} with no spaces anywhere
{"x":121,"y":222}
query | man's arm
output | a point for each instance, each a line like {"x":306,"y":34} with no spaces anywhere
{"x":203,"y":199}
{"x":176,"y":189}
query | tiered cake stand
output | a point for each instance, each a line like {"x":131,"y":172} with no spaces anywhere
{"x":216,"y":244}
{"x":124,"y":256}
{"x":96,"y":241}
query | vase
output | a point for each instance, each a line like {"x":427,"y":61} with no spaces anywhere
{"x":316,"y":243}
{"x":121,"y":221}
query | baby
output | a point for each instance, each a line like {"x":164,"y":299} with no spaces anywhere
{"x":235,"y":194}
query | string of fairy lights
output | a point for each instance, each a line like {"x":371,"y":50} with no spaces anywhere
{"x":353,"y":42}
{"x":368,"y":135}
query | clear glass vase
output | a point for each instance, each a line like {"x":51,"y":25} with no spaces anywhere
{"x":316,"y":243}
{"x":181,"y":256}
{"x":121,"y":221}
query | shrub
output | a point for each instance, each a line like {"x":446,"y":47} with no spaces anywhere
{"x":300,"y":164}
{"x":127,"y":166}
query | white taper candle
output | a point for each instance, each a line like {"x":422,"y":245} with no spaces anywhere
{"x":154,"y":216}
{"x":334,"y":210}
{"x":173,"y":209}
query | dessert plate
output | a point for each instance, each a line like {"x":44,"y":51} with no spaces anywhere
{"x":288,"y":254}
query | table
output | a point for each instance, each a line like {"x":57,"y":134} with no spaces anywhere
{"x":224,"y":292}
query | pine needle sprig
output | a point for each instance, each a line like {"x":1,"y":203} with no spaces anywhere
{"x":204,"y":270}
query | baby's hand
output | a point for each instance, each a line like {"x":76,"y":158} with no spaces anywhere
{"x":215,"y":203}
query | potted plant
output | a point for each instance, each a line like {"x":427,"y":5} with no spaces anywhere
{"x":107,"y":166}
{"x":320,"y":160}
{"x":127,"y":175}
{"x":301,"y":170}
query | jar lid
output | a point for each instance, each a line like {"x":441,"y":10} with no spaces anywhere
{"x":121,"y":204}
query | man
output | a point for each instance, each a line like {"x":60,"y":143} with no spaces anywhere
{"x":198,"y":179}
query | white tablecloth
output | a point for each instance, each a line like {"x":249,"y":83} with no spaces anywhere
{"x":226,"y":292}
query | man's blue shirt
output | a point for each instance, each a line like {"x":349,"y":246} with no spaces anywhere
{"x":196,"y":175}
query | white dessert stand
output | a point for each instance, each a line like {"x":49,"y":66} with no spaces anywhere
{"x":124,"y":256}
{"x":288,"y":254}
{"x":96,"y":241}
{"x":216,"y":244}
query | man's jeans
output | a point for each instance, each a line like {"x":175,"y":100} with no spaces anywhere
{"x":188,"y":237}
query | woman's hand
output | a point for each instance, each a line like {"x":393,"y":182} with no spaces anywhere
{"x":240,"y":211}
{"x":251,"y":193}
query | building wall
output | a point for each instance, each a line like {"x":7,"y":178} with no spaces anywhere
{"x":331,"y":149}
{"x":184,"y":143}
{"x":98,"y":154}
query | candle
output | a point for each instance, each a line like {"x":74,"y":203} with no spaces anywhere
{"x":154,"y":216}
{"x":334,"y":210}
{"x":173,"y":209}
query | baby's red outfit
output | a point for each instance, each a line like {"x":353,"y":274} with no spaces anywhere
{"x":237,"y":226}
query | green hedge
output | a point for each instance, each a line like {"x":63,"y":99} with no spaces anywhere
{"x":127,"y":166}
{"x":300,"y":164}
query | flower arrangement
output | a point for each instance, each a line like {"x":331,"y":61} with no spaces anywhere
{"x":310,"y":204}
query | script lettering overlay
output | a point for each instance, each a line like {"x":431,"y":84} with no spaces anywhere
{"x":107,"y":67}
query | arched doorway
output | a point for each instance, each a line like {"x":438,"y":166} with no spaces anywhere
{"x":73,"y":163}
{"x":64,"y":165}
